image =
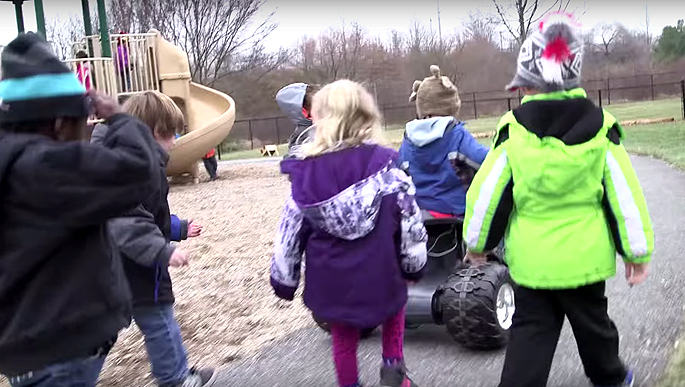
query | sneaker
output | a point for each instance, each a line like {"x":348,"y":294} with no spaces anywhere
{"x":629,"y":382}
{"x":396,"y":376}
{"x":203,"y":377}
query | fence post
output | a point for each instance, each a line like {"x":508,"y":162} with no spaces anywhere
{"x":249,"y":126}
{"x":599,"y":94}
{"x":385,"y":118}
{"x":218,"y":149}
{"x":519,"y":91}
{"x":651,"y":84}
{"x":475,"y":107}
{"x":682,"y":93}
{"x":278,"y":133}
{"x":608,"y":92}
{"x":509,"y":103}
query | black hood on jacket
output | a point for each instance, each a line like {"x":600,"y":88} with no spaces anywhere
{"x":573,"y":121}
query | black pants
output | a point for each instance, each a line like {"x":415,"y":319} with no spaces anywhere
{"x":211,"y":166}
{"x":535,"y":332}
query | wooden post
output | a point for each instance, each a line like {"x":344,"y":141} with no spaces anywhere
{"x":509,"y":103}
{"x":682,"y":93}
{"x":599,"y":93}
{"x":249,"y":126}
{"x":608,"y":92}
{"x":475,"y":106}
{"x":385,"y":118}
{"x":278,"y":133}
{"x":651,"y":84}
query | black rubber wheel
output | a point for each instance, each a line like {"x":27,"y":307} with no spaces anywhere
{"x":469,"y":307}
{"x":367,"y":332}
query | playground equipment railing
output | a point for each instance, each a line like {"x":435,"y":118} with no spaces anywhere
{"x":135,"y":62}
{"x":96,"y":73}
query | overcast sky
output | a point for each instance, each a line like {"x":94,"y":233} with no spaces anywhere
{"x":300,"y":17}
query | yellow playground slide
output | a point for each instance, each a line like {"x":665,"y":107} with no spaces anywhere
{"x":209,"y":113}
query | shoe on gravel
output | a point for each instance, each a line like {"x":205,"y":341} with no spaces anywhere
{"x":395,"y":376}
{"x":629,"y":382}
{"x":202,"y":377}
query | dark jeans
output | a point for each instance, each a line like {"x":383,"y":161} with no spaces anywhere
{"x":535,"y":332}
{"x":82,"y":372}
{"x":164,"y":344}
{"x":211,"y":165}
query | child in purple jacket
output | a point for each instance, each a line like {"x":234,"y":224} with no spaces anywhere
{"x":352,"y":213}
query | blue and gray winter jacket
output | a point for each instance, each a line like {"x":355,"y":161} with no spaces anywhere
{"x":427,"y":154}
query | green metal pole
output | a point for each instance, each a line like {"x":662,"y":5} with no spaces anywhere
{"x":20,"y":15}
{"x":104,"y":29}
{"x":40,"y":17}
{"x":88,"y":25}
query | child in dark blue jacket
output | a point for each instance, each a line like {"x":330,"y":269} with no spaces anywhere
{"x":438,"y":152}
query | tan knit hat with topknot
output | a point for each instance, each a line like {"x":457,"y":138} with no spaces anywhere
{"x":435,"y":96}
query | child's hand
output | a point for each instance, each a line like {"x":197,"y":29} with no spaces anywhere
{"x":636,"y":273}
{"x":179,"y":258}
{"x":475,"y":259}
{"x":194,"y":229}
{"x":104,"y":106}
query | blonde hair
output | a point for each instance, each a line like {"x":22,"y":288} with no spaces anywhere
{"x":345,"y":115}
{"x":156,"y":110}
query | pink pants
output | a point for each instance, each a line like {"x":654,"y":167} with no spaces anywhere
{"x":345,"y":340}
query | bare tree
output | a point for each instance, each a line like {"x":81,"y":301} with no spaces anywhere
{"x":221,"y":37}
{"x":143,"y":15}
{"x":518,"y":16}
{"x":396,"y":43}
{"x":607,"y":34}
{"x":480,"y":27}
{"x":64,"y":33}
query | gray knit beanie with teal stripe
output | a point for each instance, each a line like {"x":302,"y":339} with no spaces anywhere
{"x":36,"y":85}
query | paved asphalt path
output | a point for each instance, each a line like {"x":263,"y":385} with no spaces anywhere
{"x":649,"y":318}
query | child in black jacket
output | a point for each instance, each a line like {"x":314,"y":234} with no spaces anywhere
{"x":63,"y":293}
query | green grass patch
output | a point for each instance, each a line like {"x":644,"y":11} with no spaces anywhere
{"x":663,"y":141}
{"x":675,"y":372}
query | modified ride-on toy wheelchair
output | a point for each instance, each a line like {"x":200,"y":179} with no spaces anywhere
{"x":476,"y":304}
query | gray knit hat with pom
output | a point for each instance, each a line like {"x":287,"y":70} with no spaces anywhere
{"x":552,"y":56}
{"x":435,"y":96}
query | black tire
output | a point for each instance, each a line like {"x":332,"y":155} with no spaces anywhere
{"x":366,"y":332}
{"x":468,"y":302}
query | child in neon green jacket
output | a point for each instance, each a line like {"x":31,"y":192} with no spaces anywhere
{"x":559,"y":186}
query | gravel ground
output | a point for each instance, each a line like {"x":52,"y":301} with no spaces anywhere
{"x":224,"y":304}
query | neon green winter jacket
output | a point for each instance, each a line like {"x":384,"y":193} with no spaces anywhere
{"x":560,"y":188}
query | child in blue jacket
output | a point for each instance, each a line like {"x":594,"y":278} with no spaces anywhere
{"x":438,"y":152}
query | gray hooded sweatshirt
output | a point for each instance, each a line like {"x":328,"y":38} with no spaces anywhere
{"x":290,"y":100}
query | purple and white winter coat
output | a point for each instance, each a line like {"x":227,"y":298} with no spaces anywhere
{"x":353,"y":215}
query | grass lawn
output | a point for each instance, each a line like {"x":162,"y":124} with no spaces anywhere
{"x":663,"y":141}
